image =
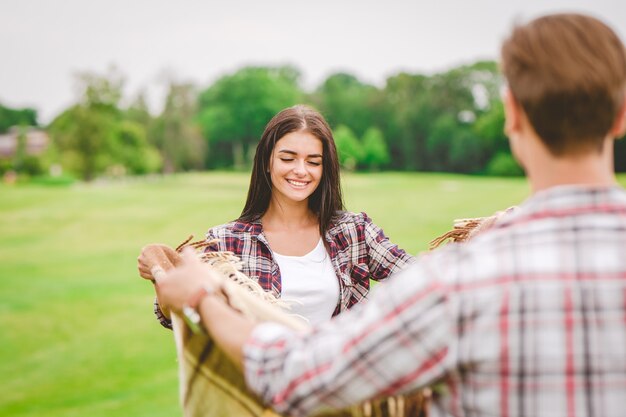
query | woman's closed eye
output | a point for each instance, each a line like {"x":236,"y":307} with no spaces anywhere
{"x":312,"y":163}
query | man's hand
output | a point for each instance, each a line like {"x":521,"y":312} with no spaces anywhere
{"x":228,"y":328}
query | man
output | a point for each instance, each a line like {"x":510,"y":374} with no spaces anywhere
{"x":527,"y":319}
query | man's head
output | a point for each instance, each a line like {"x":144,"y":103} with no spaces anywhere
{"x":568,"y":74}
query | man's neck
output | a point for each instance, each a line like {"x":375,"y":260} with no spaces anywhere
{"x":594,"y":169}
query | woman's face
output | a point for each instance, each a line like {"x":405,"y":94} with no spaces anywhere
{"x":296,"y":166}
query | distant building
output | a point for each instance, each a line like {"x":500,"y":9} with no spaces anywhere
{"x":37,"y":141}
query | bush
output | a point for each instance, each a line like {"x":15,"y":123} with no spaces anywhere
{"x":5,"y":165}
{"x":348,"y":147}
{"x":32,"y":165}
{"x":504,"y":165}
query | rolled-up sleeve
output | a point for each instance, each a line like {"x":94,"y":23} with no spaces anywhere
{"x":385,"y":257}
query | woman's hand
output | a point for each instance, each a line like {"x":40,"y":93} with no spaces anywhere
{"x":178,"y":285}
{"x":228,"y":328}
{"x":156,"y":257}
{"x":152,"y":263}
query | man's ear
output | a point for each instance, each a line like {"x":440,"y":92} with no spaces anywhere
{"x":619,"y":125}
{"x":512,"y":116}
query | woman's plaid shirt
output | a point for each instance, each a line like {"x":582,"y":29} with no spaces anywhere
{"x":527,"y":319}
{"x":358,"y":248}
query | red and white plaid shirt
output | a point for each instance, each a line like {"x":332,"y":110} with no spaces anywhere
{"x":528,"y":319}
{"x":358,"y":248}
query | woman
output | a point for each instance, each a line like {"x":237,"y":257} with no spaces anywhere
{"x":293,"y":235}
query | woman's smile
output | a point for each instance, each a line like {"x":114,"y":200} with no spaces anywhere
{"x":298,"y":184}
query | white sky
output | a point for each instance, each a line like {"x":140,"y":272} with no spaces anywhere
{"x":44,"y":43}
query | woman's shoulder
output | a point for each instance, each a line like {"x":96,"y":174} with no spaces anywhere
{"x":349,"y":218}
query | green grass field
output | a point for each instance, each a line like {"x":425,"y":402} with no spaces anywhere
{"x":78,"y":335}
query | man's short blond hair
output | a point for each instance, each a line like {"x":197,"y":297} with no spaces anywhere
{"x":568,"y":72}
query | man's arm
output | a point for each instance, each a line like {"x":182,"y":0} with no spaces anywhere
{"x":228,"y":327}
{"x":177,"y":287}
{"x":400,"y":340}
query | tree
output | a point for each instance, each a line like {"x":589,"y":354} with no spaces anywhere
{"x":81,"y":134}
{"x":422,"y":116}
{"x":375,"y":152}
{"x":129,"y":149}
{"x":503,"y":164}
{"x":138,"y":112}
{"x":453,"y":146}
{"x":620,"y":155}
{"x":235,"y":109}
{"x":490,"y":128}
{"x":16,"y":117}
{"x":92,"y":136}
{"x":343,"y":99}
{"x":404,"y":117}
{"x":348,"y":147}
{"x":176,"y":132}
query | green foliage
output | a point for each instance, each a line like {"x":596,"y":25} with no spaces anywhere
{"x":92,"y":137}
{"x":18,"y":122}
{"x":104,"y":92}
{"x":490,"y":128}
{"x":235,"y":109}
{"x":348,"y":147}
{"x":440,"y":141}
{"x":375,"y":152}
{"x":81,"y":134}
{"x":20,"y":151}
{"x":504,"y":165}
{"x":5,"y":165}
{"x":343,"y":99}
{"x":138,"y":112}
{"x":453,"y":146}
{"x":32,"y":165}
{"x":16,"y":117}
{"x":129,"y":148}
{"x":404,"y":117}
{"x":175,"y":132}
{"x":620,"y":155}
{"x":467,"y":154}
{"x":450,"y":121}
{"x":428,"y":117}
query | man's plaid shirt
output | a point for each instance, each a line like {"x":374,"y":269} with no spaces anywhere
{"x":528,"y":319}
{"x":358,"y":248}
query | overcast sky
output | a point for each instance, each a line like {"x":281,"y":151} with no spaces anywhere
{"x":44,"y":43}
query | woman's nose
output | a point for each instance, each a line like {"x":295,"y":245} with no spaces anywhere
{"x":300,"y":168}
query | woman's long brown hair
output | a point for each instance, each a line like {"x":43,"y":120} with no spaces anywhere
{"x":327,"y":200}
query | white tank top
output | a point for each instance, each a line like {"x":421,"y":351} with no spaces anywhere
{"x":310,"y":282}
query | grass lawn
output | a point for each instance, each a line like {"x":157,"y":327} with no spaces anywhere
{"x":79,"y":337}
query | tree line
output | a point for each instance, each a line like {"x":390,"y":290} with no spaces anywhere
{"x":450,"y":121}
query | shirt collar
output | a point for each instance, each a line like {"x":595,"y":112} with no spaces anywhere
{"x":566,"y":200}
{"x":254,"y":228}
